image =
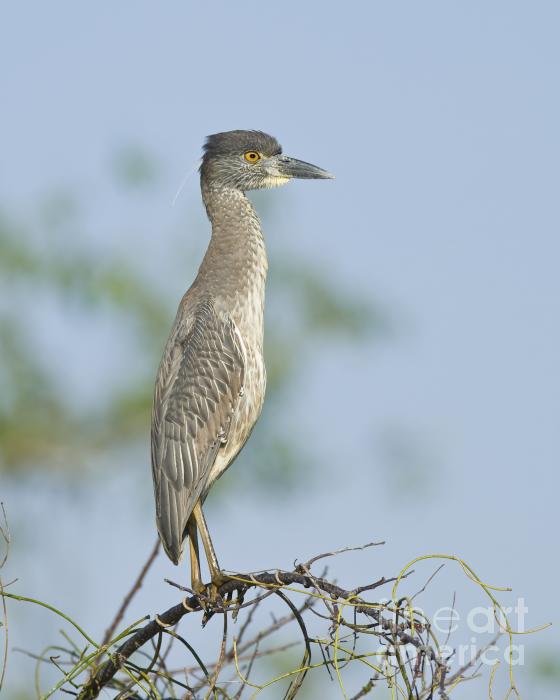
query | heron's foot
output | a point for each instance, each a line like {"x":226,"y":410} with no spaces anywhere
{"x":208,"y":594}
{"x":202,"y":592}
{"x":213,"y":589}
{"x":210,"y":600}
{"x":199,"y":589}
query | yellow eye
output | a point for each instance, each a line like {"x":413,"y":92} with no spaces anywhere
{"x":252,"y":156}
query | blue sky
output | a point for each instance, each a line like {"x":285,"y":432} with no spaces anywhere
{"x":440,"y":121}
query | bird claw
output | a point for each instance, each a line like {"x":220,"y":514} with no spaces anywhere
{"x":209,"y":596}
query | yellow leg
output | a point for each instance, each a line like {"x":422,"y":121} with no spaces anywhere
{"x":215,"y":573}
{"x":196,"y":578}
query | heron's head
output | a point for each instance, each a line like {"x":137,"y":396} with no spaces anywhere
{"x":250,"y":160}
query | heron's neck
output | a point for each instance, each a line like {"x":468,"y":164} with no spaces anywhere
{"x":235,"y":265}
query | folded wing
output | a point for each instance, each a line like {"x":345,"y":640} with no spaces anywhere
{"x":198,"y":386}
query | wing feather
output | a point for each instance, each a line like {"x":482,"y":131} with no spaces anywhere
{"x":199,"y":382}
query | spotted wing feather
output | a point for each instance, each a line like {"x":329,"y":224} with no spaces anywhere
{"x":198,"y":386}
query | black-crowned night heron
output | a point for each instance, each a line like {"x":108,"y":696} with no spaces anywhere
{"x":211,"y":381}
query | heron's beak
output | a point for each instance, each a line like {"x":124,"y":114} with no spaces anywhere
{"x":284,"y":166}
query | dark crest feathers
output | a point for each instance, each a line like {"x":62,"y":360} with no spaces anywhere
{"x":234,"y":142}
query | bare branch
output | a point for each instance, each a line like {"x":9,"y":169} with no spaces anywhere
{"x":130,"y":595}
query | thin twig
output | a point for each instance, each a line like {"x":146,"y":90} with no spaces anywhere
{"x":130,"y":595}
{"x":358,"y":548}
{"x":5,"y":532}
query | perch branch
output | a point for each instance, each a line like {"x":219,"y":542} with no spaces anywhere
{"x":241,"y":583}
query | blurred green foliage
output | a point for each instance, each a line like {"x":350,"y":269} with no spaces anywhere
{"x":546,"y":667}
{"x":48,"y":260}
{"x":408,"y":463}
{"x":134,"y":168}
